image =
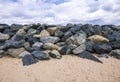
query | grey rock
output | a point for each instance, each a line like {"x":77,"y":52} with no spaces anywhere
{"x":61,"y":44}
{"x":28,"y":60}
{"x":2,"y":53}
{"x":104,"y":55}
{"x":75,"y":28}
{"x":9,"y":32}
{"x":97,"y":30}
{"x":31,"y":32}
{"x":90,"y":46}
{"x":21,"y":55}
{"x":38,"y":45}
{"x":15,"y":52}
{"x":115,"y":44}
{"x":115,"y":53}
{"x":40,"y":55}
{"x":115,"y":28}
{"x":18,"y":37}
{"x":49,"y":39}
{"x":64,"y":50}
{"x":15,"y":27}
{"x":88,"y":55}
{"x":115,"y":36}
{"x":55,"y":54}
{"x":102,"y":48}
{"x":3,"y":27}
{"x":59,"y":33}
{"x":79,"y":49}
{"x":50,"y":46}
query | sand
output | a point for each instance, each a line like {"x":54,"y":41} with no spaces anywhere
{"x":68,"y":69}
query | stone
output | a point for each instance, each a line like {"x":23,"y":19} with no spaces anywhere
{"x":4,"y":37}
{"x":66,"y":35}
{"x":72,"y":46}
{"x":3,"y":27}
{"x":40,"y":55}
{"x":61,"y":44}
{"x":21,"y":55}
{"x":31,"y":32}
{"x":59,"y":33}
{"x":55,"y":54}
{"x":75,"y":28}
{"x":79,"y":49}
{"x":115,"y":44}
{"x":2,"y":53}
{"x":64,"y":50}
{"x":32,"y":40}
{"x":38,"y":45}
{"x":115,"y":28}
{"x":50,"y":46}
{"x":77,"y":39}
{"x":14,"y":44}
{"x":102,"y":48}
{"x":88,"y":29}
{"x":97,"y":30}
{"x":28,"y":60}
{"x":27,"y":45}
{"x":18,"y":37}
{"x":50,"y":39}
{"x":26,"y":27}
{"x":52,"y":30}
{"x":88,"y":55}
{"x":115,"y":53}
{"x":90,"y":46}
{"x":104,"y":55}
{"x":42,"y":34}
{"x":15,"y":52}
{"x":15,"y":27}
{"x":9,"y":32}
{"x":98,"y":38}
{"x":21,"y":32}
{"x":40,"y":28}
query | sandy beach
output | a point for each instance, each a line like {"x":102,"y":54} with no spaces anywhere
{"x":67,"y":69}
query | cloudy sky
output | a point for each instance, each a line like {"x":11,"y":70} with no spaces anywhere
{"x":60,"y":11}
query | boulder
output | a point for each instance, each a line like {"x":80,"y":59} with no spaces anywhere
{"x":27,"y":45}
{"x":15,"y":27}
{"x":55,"y":54}
{"x":66,"y":35}
{"x":98,"y":38}
{"x":4,"y":37}
{"x":50,"y":46}
{"x":74,"y":29}
{"x":21,"y":32}
{"x":61,"y":44}
{"x":88,"y":55}
{"x":40,"y":55}
{"x":64,"y":50}
{"x":79,"y":49}
{"x":42,"y":34}
{"x":104,"y":55}
{"x":18,"y":37}
{"x":102,"y":48}
{"x":3,"y":27}
{"x":59,"y":33}
{"x":31,"y":32}
{"x":52,"y":30}
{"x":77,"y":39}
{"x":88,"y":29}
{"x":37,"y":45}
{"x":21,"y":55}
{"x":97,"y":30}
{"x":115,"y":53}
{"x":9,"y":32}
{"x":115,"y":44}
{"x":115,"y":28}
{"x":50,"y":39}
{"x":90,"y":46}
{"x":2,"y":53}
{"x":28,"y":60}
{"x":15,"y":52}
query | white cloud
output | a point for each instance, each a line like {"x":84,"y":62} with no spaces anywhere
{"x":60,"y":12}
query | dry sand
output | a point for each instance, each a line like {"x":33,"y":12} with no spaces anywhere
{"x":68,"y":69}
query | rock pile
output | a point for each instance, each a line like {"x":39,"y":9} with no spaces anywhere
{"x":36,"y":42}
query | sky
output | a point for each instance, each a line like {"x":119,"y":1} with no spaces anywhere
{"x":60,"y":11}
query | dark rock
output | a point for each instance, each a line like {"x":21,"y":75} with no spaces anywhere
{"x":115,"y":28}
{"x":75,"y":28}
{"x":97,"y":30}
{"x":104,"y":55}
{"x":18,"y":37}
{"x":102,"y":48}
{"x":21,"y":55}
{"x":40,"y":55}
{"x":79,"y":49}
{"x":66,"y":35}
{"x":115,"y":53}
{"x":3,"y":27}
{"x":37,"y":45}
{"x":31,"y":32}
{"x":61,"y":44}
{"x":49,"y":39}
{"x":15,"y":27}
{"x":2,"y":53}
{"x":72,"y":46}
{"x":9,"y":32}
{"x":88,"y":29}
{"x":88,"y":55}
{"x":32,"y":40}
{"x":89,"y":46}
{"x":28,"y":60}
{"x":115,"y":44}
{"x":59,"y":33}
{"x":65,"y":50}
{"x":55,"y":54}
{"x":40,"y":28}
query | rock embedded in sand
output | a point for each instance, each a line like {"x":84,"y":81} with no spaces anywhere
{"x":55,"y":54}
{"x":115,"y":53}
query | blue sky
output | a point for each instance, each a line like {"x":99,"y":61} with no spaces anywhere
{"x":60,"y":11}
